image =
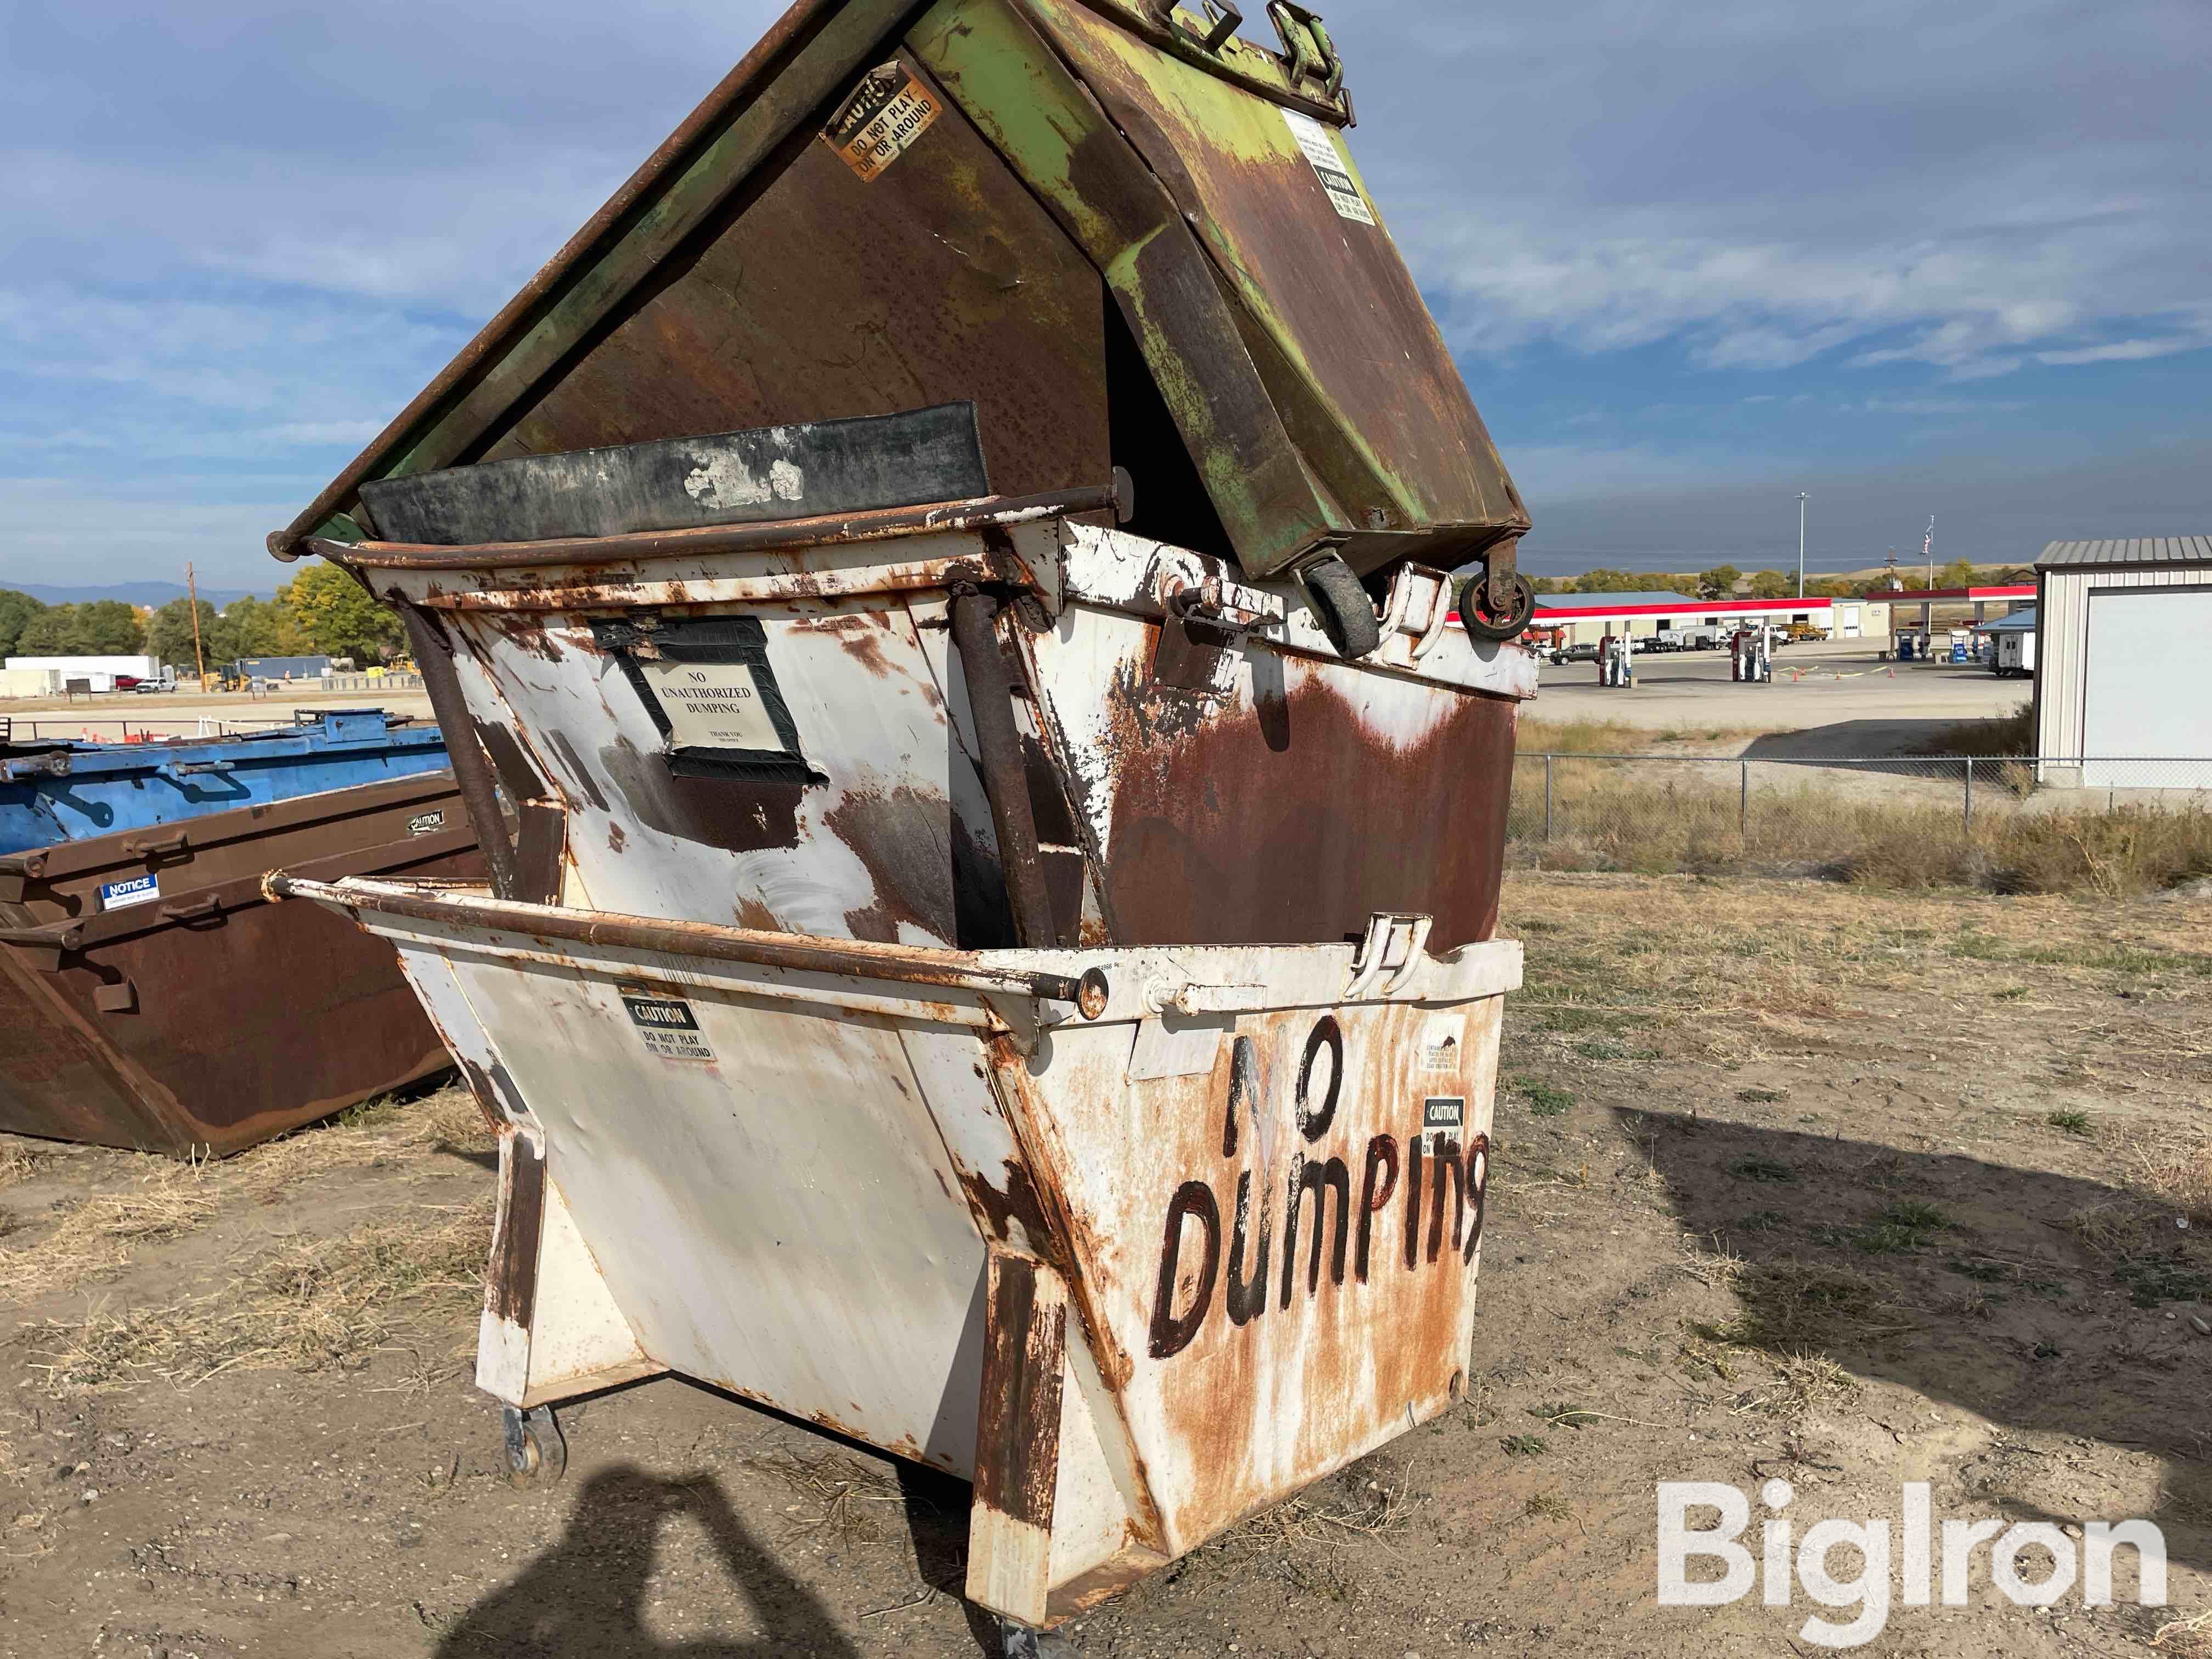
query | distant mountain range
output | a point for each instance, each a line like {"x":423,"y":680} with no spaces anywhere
{"x":152,"y":594}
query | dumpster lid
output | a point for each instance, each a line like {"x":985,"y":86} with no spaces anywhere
{"x":1202,"y":176}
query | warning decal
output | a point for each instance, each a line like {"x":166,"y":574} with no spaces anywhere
{"x":667,"y":1026}
{"x":889,"y":111}
{"x":712,"y":705}
{"x":1442,"y":1041}
{"x":138,"y":890}
{"x":1328,"y":167}
{"x":1443,"y":1112}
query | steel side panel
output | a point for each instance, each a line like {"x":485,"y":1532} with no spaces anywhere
{"x":780,"y":1220}
{"x":1248,"y":1411}
{"x":882,"y":852}
{"x":1304,"y":797}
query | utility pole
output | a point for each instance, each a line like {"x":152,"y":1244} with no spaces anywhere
{"x":1801,"y":543}
{"x":199,"y":657}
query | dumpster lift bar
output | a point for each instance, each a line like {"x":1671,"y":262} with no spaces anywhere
{"x":904,"y":963}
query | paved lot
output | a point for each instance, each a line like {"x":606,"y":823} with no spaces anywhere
{"x":1814,"y":685}
{"x":100,"y":716}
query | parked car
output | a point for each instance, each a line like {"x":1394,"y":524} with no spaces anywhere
{"x":1585,"y":653}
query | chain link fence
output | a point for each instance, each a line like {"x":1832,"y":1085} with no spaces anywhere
{"x":2012,"y":822}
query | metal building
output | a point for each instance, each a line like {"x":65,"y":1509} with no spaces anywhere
{"x":2123,"y":632}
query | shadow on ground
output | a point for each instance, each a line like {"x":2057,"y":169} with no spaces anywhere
{"x":2033,"y":1299}
{"x":586,"y":1596}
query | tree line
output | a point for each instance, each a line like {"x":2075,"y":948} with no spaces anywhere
{"x":1725,"y":581}
{"x":322,"y":612}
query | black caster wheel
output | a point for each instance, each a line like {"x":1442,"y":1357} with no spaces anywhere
{"x":1484,"y":623}
{"x":1341,"y":606}
{"x":1020,"y":1642}
{"x":537,"y":1455}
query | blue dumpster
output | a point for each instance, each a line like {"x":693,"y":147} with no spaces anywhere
{"x":57,"y":790}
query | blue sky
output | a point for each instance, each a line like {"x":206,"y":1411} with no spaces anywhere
{"x":1909,"y":257}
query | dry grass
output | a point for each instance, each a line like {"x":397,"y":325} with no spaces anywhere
{"x":306,"y":1305}
{"x":99,"y":1235}
{"x":1691,"y":820}
{"x":2178,"y":1177}
{"x":1596,"y":737}
{"x":841,"y":1495}
{"x":20,"y":1161}
{"x":2010,"y":734}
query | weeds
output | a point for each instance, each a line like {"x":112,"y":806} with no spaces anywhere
{"x":1761,"y":1168}
{"x":2072,"y":1122}
{"x":1563,"y":1414}
{"x":1547,"y":1506}
{"x":1524,"y":1445}
{"x":1544,"y":1101}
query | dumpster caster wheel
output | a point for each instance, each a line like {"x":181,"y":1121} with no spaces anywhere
{"x":1484,"y":623}
{"x":537,"y":1455}
{"x":1341,"y":606}
{"x":1020,"y":1642}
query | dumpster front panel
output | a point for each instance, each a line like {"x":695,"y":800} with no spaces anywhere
{"x":1279,"y":1249}
{"x":761,"y":1183}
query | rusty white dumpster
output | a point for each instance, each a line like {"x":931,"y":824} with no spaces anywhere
{"x":1137,"y":1240}
{"x":952,"y":567}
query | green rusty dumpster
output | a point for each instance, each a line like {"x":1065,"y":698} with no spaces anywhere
{"x":954,"y":567}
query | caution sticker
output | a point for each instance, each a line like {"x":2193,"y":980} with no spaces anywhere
{"x":1443,"y":1112}
{"x":426,"y":824}
{"x":886,"y":112}
{"x":1320,"y":148}
{"x":667,"y":1026}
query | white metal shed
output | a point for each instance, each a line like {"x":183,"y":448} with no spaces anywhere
{"x":2124,"y":640}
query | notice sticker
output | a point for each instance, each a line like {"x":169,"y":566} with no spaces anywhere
{"x":667,"y":1026}
{"x":889,"y":111}
{"x":121,"y":895}
{"x":1320,"y":148}
{"x":1443,"y":1112}
{"x":426,"y":824}
{"x":1442,"y":1041}
{"x":712,"y":705}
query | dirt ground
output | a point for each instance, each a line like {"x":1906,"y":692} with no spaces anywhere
{"x":1845,"y":1189}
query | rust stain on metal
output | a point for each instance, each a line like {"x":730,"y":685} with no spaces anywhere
{"x":577,"y":770}
{"x":511,"y":1280}
{"x":1302,"y":777}
{"x":616,"y":838}
{"x":737,"y":816}
{"x":1017,"y":1427}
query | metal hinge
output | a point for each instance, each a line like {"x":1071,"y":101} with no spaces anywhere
{"x":1394,"y":945}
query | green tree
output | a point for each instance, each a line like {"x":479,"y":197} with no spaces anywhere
{"x":250,"y":627}
{"x":334,"y":615}
{"x":169,"y":634}
{"x":1719,"y":582}
{"x":54,"y":632}
{"x":1959,"y":573}
{"x":1771,"y":585}
{"x":111,"y":629}
{"x":16,"y":610}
